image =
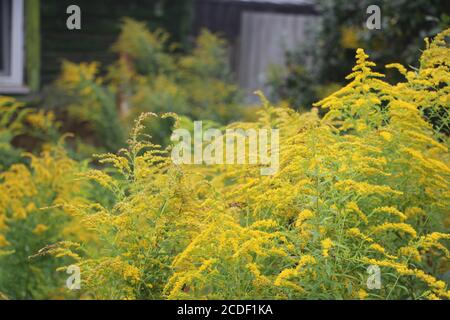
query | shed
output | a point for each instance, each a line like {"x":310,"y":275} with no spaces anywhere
{"x":259,"y":33}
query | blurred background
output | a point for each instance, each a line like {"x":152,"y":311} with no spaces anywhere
{"x":283,"y":45}
{"x":202,"y":59}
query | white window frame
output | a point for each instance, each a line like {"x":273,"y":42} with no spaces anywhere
{"x":14,"y":81}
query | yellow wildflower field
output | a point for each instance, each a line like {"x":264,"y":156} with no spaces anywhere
{"x":362,"y":191}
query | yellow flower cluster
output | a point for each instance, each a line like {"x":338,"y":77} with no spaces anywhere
{"x":366,"y":184}
{"x":327,"y":244}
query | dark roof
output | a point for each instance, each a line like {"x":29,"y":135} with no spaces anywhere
{"x":284,"y":6}
{"x":273,"y":2}
{"x":224,"y":16}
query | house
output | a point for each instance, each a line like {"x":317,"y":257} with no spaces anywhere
{"x":14,"y":65}
{"x":34,"y":38}
{"x":259,"y":33}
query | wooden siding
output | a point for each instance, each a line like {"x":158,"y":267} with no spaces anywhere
{"x":100,"y":28}
{"x":264,"y":40}
{"x":259,"y":33}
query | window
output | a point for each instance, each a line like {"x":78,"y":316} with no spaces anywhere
{"x":11,"y":46}
{"x":5,"y":27}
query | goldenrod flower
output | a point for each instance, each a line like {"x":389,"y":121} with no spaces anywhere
{"x":327,"y":244}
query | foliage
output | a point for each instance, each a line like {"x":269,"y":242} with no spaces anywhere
{"x":31,"y":223}
{"x":152,"y":78}
{"x":322,"y":62}
{"x":365,"y":185}
{"x":150,"y":75}
{"x":23,"y":128}
{"x":92,"y":106}
{"x":157,"y":209}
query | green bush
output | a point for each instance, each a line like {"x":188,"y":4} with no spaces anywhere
{"x":318,"y":66}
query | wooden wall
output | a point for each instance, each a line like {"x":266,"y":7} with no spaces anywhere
{"x":265,"y":39}
{"x":100,"y":27}
{"x":259,"y":33}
